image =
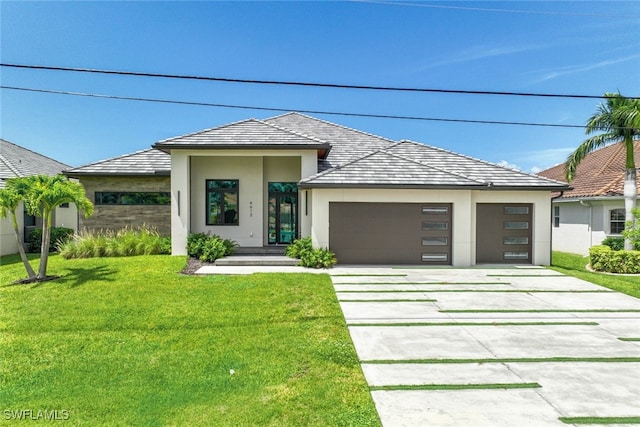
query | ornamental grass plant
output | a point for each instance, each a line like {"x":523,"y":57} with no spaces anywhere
{"x":143,"y":240}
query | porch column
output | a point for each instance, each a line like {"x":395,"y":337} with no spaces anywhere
{"x":180,"y":202}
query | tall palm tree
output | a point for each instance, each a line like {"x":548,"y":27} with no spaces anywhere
{"x":9,"y":202}
{"x":619,"y":121}
{"x":43,"y":194}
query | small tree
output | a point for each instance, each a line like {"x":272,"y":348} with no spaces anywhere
{"x":9,"y":202}
{"x":619,"y":121}
{"x":42,"y":194}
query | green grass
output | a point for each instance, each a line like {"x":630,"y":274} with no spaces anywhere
{"x":484,"y":324}
{"x":559,"y":359}
{"x":600,"y":420}
{"x":574,"y":265}
{"x":128,"y":341}
{"x":491,"y":386}
{"x":629,"y":339}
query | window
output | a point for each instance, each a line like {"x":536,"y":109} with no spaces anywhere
{"x":507,"y":240}
{"x":222,"y":201}
{"x":435,"y":241}
{"x":434,"y":225}
{"x":516,"y":210}
{"x":435,"y":257}
{"x":516,"y":225}
{"x":516,"y":255}
{"x":132,"y":198}
{"x":435,"y":210}
{"x":556,"y":216}
{"x":617,"y":221}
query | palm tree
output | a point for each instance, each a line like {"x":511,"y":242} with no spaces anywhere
{"x":9,"y":202}
{"x":619,"y":120}
{"x":42,"y":195}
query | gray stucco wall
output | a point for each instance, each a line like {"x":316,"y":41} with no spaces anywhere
{"x":115,"y":217}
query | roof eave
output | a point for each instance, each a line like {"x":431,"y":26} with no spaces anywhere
{"x":73,"y":174}
{"x":168,"y":147}
{"x":307,"y":185}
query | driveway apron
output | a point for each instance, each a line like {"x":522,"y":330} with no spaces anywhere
{"x":492,"y":347}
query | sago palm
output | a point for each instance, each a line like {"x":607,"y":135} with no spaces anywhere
{"x":619,"y":121}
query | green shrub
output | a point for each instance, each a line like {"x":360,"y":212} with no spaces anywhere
{"x":298,"y":247}
{"x":208,"y":247}
{"x":58,"y":235}
{"x":309,"y":256}
{"x":615,"y":243}
{"x":126,"y":242}
{"x":603,"y":258}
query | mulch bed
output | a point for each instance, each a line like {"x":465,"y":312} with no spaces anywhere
{"x":193,"y":265}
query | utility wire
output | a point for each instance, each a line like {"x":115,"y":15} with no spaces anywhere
{"x":486,"y":9}
{"x":304,"y":84}
{"x":254,"y":107}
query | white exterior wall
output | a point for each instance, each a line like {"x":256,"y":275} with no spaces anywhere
{"x":66,"y":217}
{"x":8,"y":244}
{"x":583,"y":225}
{"x":464,"y":214}
{"x":253,"y":169}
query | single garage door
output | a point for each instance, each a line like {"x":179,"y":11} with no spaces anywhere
{"x":504,"y":233}
{"x":390,"y":233}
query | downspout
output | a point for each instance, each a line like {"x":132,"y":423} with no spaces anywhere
{"x":551,"y":230}
{"x":586,"y":204}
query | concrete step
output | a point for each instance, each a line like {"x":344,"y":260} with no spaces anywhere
{"x":260,"y":250}
{"x":249,"y":260}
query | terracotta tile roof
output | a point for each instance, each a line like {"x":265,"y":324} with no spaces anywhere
{"x":17,"y":161}
{"x":600,"y":174}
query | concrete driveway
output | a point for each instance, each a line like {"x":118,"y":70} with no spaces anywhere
{"x":492,"y":347}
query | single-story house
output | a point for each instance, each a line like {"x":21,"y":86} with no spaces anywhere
{"x":15,"y":162}
{"x":369,"y":199}
{"x":128,"y":191}
{"x":594,"y":209}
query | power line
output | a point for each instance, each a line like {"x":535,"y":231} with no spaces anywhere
{"x":487,"y":9}
{"x":306,"y":111}
{"x":303,"y":84}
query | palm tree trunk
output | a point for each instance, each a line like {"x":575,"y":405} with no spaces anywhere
{"x":630,"y":196}
{"x":44,"y":249}
{"x":23,"y":255}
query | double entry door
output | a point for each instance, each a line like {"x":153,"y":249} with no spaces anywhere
{"x":283,"y":212}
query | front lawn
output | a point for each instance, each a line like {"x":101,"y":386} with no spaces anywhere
{"x":128,"y":341}
{"x":574,"y":265}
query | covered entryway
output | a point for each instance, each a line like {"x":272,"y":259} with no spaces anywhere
{"x":390,"y":233}
{"x":504,"y":233}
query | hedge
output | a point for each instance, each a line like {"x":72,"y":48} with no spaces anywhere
{"x":603,"y":258}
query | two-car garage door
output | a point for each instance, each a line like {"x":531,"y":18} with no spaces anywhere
{"x":390,"y":233}
{"x":421,"y":233}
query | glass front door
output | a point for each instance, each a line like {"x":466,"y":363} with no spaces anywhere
{"x":283,"y":212}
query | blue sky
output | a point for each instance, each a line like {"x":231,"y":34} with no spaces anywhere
{"x":566,"y":47}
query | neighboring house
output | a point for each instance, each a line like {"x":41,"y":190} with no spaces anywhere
{"x":369,"y":199}
{"x":594,"y":208}
{"x":128,"y":191}
{"x":16,"y":161}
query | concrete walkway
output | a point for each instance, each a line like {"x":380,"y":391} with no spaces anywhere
{"x":496,"y":329}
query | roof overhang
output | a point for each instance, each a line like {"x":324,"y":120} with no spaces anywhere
{"x":322,"y":149}
{"x":128,"y":174}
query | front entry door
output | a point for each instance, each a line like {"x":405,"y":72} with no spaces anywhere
{"x":283,"y":212}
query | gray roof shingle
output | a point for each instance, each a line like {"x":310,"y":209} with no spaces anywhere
{"x":355,"y":158}
{"x":249,"y":133}
{"x":17,"y":161}
{"x":411,"y":164}
{"x":346,"y":144}
{"x":145,"y":162}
